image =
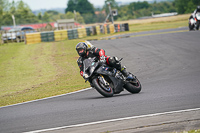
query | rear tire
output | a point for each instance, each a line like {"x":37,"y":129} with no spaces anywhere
{"x":105,"y":91}
{"x":133,"y":87}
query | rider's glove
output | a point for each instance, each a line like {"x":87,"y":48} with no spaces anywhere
{"x":85,"y":76}
{"x":103,"y":59}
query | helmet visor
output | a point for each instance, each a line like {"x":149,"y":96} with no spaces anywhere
{"x":81,"y":51}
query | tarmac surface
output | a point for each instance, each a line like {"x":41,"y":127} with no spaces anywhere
{"x":157,"y":123}
{"x":167,"y":64}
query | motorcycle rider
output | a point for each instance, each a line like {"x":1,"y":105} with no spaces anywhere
{"x":86,"y":50}
{"x":195,"y":12}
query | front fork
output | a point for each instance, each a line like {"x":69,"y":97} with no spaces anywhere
{"x":103,"y":81}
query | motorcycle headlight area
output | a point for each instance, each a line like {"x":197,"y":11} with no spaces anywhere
{"x":92,"y":69}
{"x":192,"y":21}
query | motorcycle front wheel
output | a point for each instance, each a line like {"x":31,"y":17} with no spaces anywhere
{"x":197,"y":26}
{"x":106,"y":91}
{"x":133,"y":87}
{"x":191,"y":27}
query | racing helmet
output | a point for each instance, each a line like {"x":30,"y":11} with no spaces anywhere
{"x":81,"y":49}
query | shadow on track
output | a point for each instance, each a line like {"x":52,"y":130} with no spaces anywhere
{"x":101,"y":97}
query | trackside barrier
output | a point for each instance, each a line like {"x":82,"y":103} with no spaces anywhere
{"x":88,"y":31}
{"x":94,"y":30}
{"x":105,"y":29}
{"x":108,"y":29}
{"x":98,"y":30}
{"x":82,"y":32}
{"x":60,"y":35}
{"x":69,"y":34}
{"x":126,"y":27}
{"x":47,"y":36}
{"x":112,"y":28}
{"x":122,"y":27}
{"x":75,"y":32}
{"x":32,"y":38}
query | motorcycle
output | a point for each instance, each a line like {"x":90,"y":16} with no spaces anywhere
{"x":107,"y":80}
{"x":194,"y":22}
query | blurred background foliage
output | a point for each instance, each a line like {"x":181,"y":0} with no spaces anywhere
{"x":84,"y":12}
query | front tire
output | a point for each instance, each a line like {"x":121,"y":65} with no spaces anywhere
{"x":191,"y":27}
{"x":133,"y":87}
{"x":197,"y":26}
{"x":102,"y":89}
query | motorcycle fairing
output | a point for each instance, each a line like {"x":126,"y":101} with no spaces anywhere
{"x":198,"y":16}
{"x":118,"y":84}
{"x":104,"y":71}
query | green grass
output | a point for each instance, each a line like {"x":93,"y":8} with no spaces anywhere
{"x":157,"y":26}
{"x":191,"y":131}
{"x":36,"y":71}
{"x":29,"y":72}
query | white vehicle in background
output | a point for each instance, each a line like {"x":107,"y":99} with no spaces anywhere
{"x":16,"y":34}
{"x":194,"y":22}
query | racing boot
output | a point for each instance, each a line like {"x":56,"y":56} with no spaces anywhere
{"x":129,"y":76}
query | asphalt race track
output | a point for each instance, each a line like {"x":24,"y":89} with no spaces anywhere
{"x":167,"y":63}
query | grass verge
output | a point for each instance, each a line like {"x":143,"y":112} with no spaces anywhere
{"x":29,"y":72}
{"x":191,"y":131}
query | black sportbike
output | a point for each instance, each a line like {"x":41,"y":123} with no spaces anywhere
{"x":107,"y":80}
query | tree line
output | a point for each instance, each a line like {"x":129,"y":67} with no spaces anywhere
{"x":84,"y":12}
{"x":186,"y":6}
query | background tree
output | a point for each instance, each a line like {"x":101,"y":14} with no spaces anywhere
{"x":39,"y":16}
{"x":85,"y":11}
{"x":79,"y":18}
{"x":24,"y":14}
{"x":12,"y":8}
{"x":46,"y":17}
{"x":4,"y":8}
{"x":89,"y":18}
{"x":84,"y":7}
{"x":124,"y":13}
{"x":70,"y":15}
{"x":100,"y":17}
{"x":1,"y":16}
{"x":81,"y":6}
{"x":52,"y":12}
{"x":51,"y":16}
{"x":71,"y":6}
{"x":186,"y":6}
{"x":4,"y":5}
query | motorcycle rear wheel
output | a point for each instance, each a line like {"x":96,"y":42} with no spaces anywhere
{"x":102,"y":89}
{"x":133,"y":87}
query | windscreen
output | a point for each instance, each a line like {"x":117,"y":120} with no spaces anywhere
{"x":87,"y":63}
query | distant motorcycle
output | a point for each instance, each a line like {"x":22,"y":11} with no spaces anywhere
{"x":107,"y":80}
{"x":194,"y":22}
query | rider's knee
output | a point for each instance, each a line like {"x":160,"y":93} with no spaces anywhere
{"x":114,"y":62}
